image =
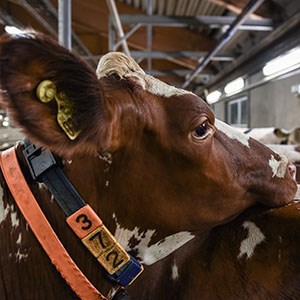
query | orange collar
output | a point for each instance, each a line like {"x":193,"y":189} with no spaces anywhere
{"x":43,"y":231}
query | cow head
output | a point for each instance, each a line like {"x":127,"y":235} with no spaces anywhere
{"x":290,"y":137}
{"x":171,"y":163}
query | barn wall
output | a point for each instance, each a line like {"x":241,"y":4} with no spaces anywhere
{"x":272,"y":104}
{"x":275,"y":105}
{"x":219,"y":110}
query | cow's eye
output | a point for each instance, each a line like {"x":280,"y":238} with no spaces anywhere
{"x":201,"y":131}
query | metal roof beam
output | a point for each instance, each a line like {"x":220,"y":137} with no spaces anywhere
{"x":182,"y":54}
{"x":118,"y":24}
{"x":251,"y":6}
{"x":53,"y":10}
{"x":30,"y":9}
{"x":64,"y":23}
{"x":178,"y":72}
{"x":211,"y":21}
{"x":167,"y":54}
{"x":283,"y":38}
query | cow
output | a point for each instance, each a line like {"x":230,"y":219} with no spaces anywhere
{"x":273,"y":135}
{"x":208,"y":211}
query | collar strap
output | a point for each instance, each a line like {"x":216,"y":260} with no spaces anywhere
{"x":43,"y":230}
{"x":44,"y":167}
{"x":119,"y":265}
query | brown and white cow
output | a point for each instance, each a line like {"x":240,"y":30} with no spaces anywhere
{"x":273,"y":135}
{"x":163,"y":174}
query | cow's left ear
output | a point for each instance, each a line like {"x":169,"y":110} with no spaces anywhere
{"x":281,"y":133}
{"x":51,"y":93}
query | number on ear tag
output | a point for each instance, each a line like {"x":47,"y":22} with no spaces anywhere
{"x":65,"y":114}
{"x":46,"y":91}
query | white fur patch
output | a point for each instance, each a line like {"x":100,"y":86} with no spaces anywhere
{"x":160,"y":88}
{"x":42,"y":186}
{"x":19,"y":240}
{"x":232,"y":133}
{"x":21,"y":256}
{"x":254,"y":238}
{"x":14,"y":219}
{"x":278,"y":166}
{"x":175,"y":273}
{"x":3,"y":211}
{"x":9,"y":210}
{"x":150,"y":254}
{"x":107,"y":157}
{"x":124,"y":236}
{"x":113,"y":292}
{"x":125,"y":67}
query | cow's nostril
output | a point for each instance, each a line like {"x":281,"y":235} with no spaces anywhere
{"x":292,"y":169}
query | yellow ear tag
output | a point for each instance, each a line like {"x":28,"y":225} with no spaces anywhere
{"x":46,"y":92}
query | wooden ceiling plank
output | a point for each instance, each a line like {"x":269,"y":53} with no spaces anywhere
{"x":191,"y":8}
{"x":170,"y":8}
{"x":233,"y":8}
{"x":160,"y":7}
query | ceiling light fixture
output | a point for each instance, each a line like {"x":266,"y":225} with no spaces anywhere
{"x":13,"y":30}
{"x":234,"y":86}
{"x":213,"y":97}
{"x":283,"y":62}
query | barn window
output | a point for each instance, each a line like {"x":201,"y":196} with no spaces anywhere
{"x":237,"y":112}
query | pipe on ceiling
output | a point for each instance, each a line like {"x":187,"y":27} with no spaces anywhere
{"x":251,"y":6}
{"x":118,"y":26}
{"x":64,"y":23}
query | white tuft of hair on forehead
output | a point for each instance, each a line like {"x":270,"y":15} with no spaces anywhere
{"x":232,"y":133}
{"x":125,"y":67}
{"x":120,"y":64}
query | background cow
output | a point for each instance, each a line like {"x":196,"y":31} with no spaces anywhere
{"x":162,"y":173}
{"x":273,"y":135}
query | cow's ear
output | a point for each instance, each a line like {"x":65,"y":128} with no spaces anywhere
{"x":52,"y":94}
{"x":281,"y":133}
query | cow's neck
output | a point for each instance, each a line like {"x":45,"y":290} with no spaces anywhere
{"x":141,"y":237}
{"x":146,"y":242}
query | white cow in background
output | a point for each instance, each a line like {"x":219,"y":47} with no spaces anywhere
{"x":292,"y":152}
{"x":273,"y":135}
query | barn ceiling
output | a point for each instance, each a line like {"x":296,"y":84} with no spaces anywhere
{"x":194,"y":44}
